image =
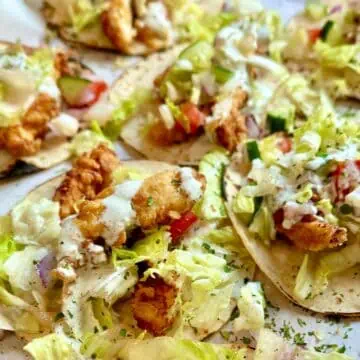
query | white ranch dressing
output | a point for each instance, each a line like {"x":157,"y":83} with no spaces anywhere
{"x":70,"y":240}
{"x":118,"y":213}
{"x":190,"y":185}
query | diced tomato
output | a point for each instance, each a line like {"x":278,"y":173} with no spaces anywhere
{"x":195,"y":116}
{"x":180,"y":226}
{"x":284,"y":144}
{"x":91,"y":94}
{"x":314,"y":34}
{"x":344,"y":183}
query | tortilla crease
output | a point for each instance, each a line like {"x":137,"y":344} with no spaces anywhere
{"x":281,"y":262}
{"x":134,"y":131}
{"x":94,"y":37}
{"x":148,"y":168}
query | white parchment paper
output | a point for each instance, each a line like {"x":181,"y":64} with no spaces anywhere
{"x":21,"y":20}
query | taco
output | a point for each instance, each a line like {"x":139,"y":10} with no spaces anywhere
{"x":113,"y":252}
{"x":132,"y":27}
{"x":323,"y":42}
{"x":36,"y":89}
{"x":293,"y":202}
{"x":178,"y":105}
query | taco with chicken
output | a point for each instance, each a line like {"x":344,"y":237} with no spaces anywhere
{"x":37,"y":89}
{"x":294,"y":202}
{"x":178,"y":105}
{"x":114,"y":255}
{"x":135,"y":27}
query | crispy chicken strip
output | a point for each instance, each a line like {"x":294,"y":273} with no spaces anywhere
{"x":311,"y":234}
{"x":232,"y":130}
{"x":153,"y":305}
{"x":90,"y":175}
{"x":26,"y":138}
{"x":117,"y":23}
{"x":161,"y":197}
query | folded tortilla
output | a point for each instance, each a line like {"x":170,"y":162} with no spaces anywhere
{"x":281,"y":262}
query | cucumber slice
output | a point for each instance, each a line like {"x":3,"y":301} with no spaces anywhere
{"x":222,"y":75}
{"x":276,"y":123}
{"x":72,"y":88}
{"x":253,"y":150}
{"x":326,"y":30}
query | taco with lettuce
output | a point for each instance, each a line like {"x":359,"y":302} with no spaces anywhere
{"x":119,"y":256}
{"x":133,"y":27}
{"x":37,"y":90}
{"x":178,"y":105}
{"x":323,"y":42}
{"x":293,"y":200}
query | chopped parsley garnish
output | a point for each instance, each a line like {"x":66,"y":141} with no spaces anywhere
{"x":150,"y":201}
{"x":299,"y":339}
{"x":123,"y":332}
{"x":208,"y":248}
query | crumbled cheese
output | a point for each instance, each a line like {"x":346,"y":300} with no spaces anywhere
{"x":294,"y":212}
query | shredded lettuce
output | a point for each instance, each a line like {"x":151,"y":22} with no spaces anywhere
{"x":316,"y":10}
{"x":125,"y":109}
{"x":85,"y":13}
{"x":102,"y":313}
{"x":87,"y":140}
{"x":243,"y":206}
{"x":7,"y":243}
{"x":41,"y":63}
{"x":251,"y":305}
{"x":212,"y":166}
{"x":263,"y":225}
{"x":338,"y":57}
{"x":51,"y":347}
{"x":123,"y":173}
{"x":177,"y":349}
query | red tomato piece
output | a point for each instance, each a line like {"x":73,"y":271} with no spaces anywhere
{"x":195,"y":116}
{"x":314,"y":34}
{"x":180,"y":226}
{"x":91,"y":94}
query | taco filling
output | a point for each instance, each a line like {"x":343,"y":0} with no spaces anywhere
{"x":33,"y":115}
{"x":304,"y":194}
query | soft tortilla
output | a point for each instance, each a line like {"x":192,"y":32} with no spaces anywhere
{"x":144,"y":74}
{"x":93,"y":36}
{"x":281,"y":263}
{"x":47,"y":190}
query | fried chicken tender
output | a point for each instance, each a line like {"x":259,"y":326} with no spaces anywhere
{"x":153,"y":305}
{"x":124,"y":24}
{"x":160,"y":135}
{"x":90,"y":175}
{"x":311,"y":234}
{"x":161,"y":197}
{"x":117,"y":23}
{"x":26,"y":138}
{"x":232,"y":130}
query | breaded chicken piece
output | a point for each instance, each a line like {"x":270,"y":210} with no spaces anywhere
{"x":26,"y":138}
{"x":117,"y":23}
{"x":160,"y":197}
{"x":90,"y":175}
{"x":232,"y":130}
{"x":163,"y":136}
{"x":153,"y":305}
{"x":313,"y":235}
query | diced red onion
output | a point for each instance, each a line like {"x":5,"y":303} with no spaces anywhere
{"x":44,"y":267}
{"x":336,"y":9}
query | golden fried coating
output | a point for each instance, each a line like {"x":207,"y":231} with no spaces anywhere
{"x":117,"y":23}
{"x":232,"y":130}
{"x":152,"y":305}
{"x":90,"y":175}
{"x":160,"y":135}
{"x":315,"y":235}
{"x":160,"y":197}
{"x":26,"y":138}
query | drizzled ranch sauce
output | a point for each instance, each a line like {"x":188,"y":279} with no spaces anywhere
{"x":189,"y":184}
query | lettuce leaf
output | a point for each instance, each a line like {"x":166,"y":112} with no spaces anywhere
{"x":125,"y":109}
{"x":177,"y":349}
{"x":263,"y":225}
{"x":251,"y":305}
{"x":87,"y":140}
{"x":7,"y":243}
{"x":51,"y":347}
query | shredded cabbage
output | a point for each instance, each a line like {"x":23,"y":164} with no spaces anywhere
{"x":87,"y":140}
